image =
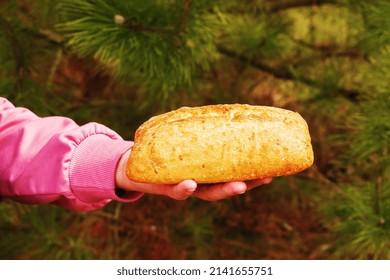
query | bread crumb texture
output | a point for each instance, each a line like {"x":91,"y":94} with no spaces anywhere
{"x":220,"y":143}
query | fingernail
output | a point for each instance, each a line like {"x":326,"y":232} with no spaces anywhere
{"x":191,"y":187}
{"x":267,"y":180}
{"x":241,"y":189}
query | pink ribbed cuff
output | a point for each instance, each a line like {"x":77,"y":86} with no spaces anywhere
{"x":92,"y":169}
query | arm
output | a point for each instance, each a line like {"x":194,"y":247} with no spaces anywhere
{"x":53,"y":160}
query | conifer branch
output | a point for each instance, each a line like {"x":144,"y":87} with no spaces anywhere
{"x":277,"y":6}
{"x":186,"y":14}
{"x":285,"y":74}
{"x":377,"y":194}
{"x":330,"y":49}
{"x":17,"y":52}
{"x":132,"y":25}
{"x":15,"y":44}
{"x":51,"y":36}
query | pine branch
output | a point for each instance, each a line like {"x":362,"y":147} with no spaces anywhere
{"x":286,"y":74}
{"x":186,"y":14}
{"x":132,"y":25}
{"x":277,"y":6}
{"x":330,"y":49}
{"x":378,"y":194}
{"x":17,"y":52}
{"x":15,"y":44}
{"x":50,"y":35}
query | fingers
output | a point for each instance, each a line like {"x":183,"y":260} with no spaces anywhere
{"x":220,"y":191}
{"x":226,"y":190}
{"x":180,"y":191}
{"x":255,"y":183}
{"x":187,"y":188}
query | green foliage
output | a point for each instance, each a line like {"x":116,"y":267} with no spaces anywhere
{"x":363,"y":230}
{"x":362,"y":210}
{"x":371,"y":134}
{"x":161,"y":43}
{"x":196,"y":228}
{"x":256,"y":35}
{"x":36,"y":233}
{"x":49,"y":232}
{"x":377,"y":23}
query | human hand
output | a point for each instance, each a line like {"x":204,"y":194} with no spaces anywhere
{"x":186,"y":188}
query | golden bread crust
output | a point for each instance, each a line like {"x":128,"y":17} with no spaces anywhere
{"x":220,"y":143}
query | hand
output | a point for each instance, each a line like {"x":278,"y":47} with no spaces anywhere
{"x":186,"y":188}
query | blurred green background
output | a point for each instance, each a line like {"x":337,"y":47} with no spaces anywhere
{"x":121,"y":62}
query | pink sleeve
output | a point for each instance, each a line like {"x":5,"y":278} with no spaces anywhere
{"x":53,"y":160}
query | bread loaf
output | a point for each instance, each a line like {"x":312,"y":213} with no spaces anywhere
{"x":220,"y":143}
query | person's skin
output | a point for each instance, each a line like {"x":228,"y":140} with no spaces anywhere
{"x":186,"y":188}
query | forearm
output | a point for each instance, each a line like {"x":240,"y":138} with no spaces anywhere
{"x":53,"y":160}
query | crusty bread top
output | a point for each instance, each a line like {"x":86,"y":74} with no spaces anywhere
{"x":234,"y":111}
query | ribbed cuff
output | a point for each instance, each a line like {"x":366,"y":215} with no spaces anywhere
{"x":93,"y":166}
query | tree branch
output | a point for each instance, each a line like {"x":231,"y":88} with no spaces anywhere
{"x":277,"y":6}
{"x":186,"y":14}
{"x":134,"y":26}
{"x":329,"y":49}
{"x":286,"y":74}
{"x":17,"y":52}
{"x":14,"y":43}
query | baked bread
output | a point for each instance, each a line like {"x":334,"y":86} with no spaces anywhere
{"x":220,"y":143}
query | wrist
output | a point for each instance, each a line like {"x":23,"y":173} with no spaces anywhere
{"x":94,"y":166}
{"x":121,"y":180}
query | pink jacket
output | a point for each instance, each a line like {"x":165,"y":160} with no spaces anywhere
{"x":53,"y":160}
